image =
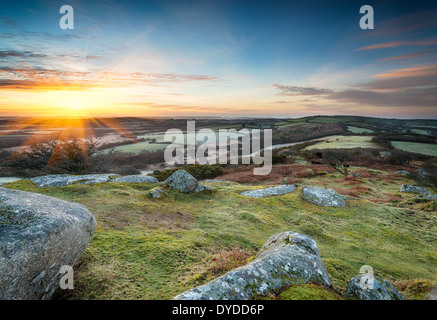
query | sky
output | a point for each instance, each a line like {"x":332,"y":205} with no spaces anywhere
{"x":218,"y":58}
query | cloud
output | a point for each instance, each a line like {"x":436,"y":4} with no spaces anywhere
{"x":40,"y":78}
{"x":416,"y":21}
{"x":20,"y":54}
{"x":418,"y":97}
{"x":399,"y":79}
{"x":409,"y":56}
{"x":421,"y":71}
{"x":9,"y":22}
{"x":177,"y":107}
{"x":423,"y":43}
{"x":407,"y":87}
{"x":304,"y":91}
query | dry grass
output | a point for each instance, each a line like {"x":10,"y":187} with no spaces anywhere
{"x":379,"y":164}
{"x":280,"y":173}
{"x":217,"y":262}
{"x":356,"y":191}
{"x":415,"y":288}
{"x":228,"y":259}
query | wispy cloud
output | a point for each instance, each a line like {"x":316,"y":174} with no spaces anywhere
{"x":39,"y":78}
{"x":422,"y":43}
{"x":410,"y":55}
{"x":405,"y":87}
{"x":413,"y":22}
{"x":304,"y":91}
{"x":9,"y":22}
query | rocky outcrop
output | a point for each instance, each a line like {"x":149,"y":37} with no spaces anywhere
{"x":38,"y":235}
{"x":136,"y":179}
{"x":61,"y":180}
{"x":185,"y":182}
{"x":274,"y":191}
{"x":381,"y":289}
{"x":286,"y":258}
{"x":323,"y":197}
{"x":403,"y":172}
{"x":415,"y":189}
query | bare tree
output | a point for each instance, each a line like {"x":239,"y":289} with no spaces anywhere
{"x":338,"y":159}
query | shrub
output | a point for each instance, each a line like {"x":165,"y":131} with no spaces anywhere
{"x":278,"y":158}
{"x":198,"y":171}
{"x":399,"y":158}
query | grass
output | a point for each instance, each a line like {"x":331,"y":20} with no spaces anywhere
{"x":344,"y":142}
{"x":429,"y":149}
{"x":304,"y":292}
{"x":146,"y":248}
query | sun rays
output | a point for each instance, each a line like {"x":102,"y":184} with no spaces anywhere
{"x":81,"y":131}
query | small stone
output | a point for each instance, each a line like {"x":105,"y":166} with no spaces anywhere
{"x":156,"y":193}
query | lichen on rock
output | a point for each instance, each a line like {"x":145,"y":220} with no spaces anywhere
{"x":268,"y":192}
{"x":379,"y":290}
{"x":323,"y":197}
{"x":286,"y":258}
{"x":184,"y":182}
{"x":415,"y":189}
{"x":38,"y":235}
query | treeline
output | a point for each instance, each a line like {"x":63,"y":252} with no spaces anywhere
{"x":73,"y":156}
{"x":306,"y":131}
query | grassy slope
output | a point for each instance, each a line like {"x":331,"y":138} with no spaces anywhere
{"x":344,"y":142}
{"x":147,"y":248}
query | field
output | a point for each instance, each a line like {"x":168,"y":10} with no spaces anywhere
{"x":421,"y":131}
{"x":147,"y":248}
{"x":344,"y":142}
{"x":359,"y":130}
{"x":422,"y":148}
{"x":139,"y":146}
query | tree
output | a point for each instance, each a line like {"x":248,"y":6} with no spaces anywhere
{"x":338,"y":158}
